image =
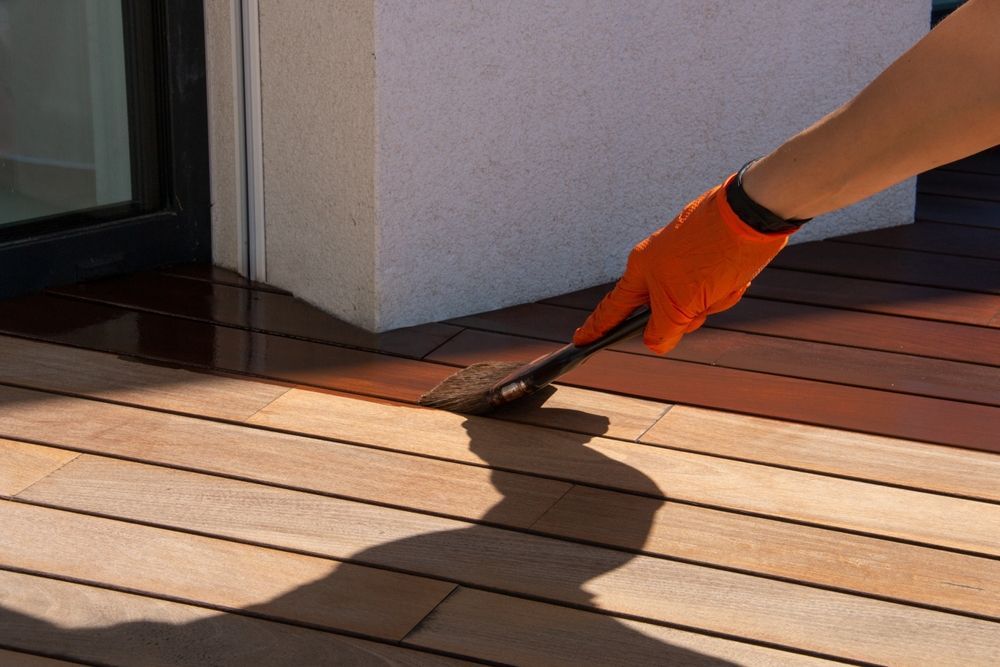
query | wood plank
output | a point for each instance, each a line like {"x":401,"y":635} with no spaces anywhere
{"x":829,"y":558}
{"x":516,"y":631}
{"x":201,"y":345}
{"x":893,"y":264}
{"x":18,"y":659}
{"x":960,"y":184}
{"x":932,"y":237}
{"x":255,"y":310}
{"x":264,"y":582}
{"x":648,"y":470}
{"x":875,"y":296}
{"x":958,"y":211}
{"x":807,"y":401}
{"x":890,"y":460}
{"x":218,"y":274}
{"x":955,"y":342}
{"x":550,"y":570}
{"x":101,"y":375}
{"x":280,"y":458}
{"x":820,"y":289}
{"x":34,"y":364}
{"x":23,"y":464}
{"x":111,"y":627}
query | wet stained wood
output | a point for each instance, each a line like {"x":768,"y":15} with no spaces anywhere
{"x":960,"y":184}
{"x":96,"y":625}
{"x":516,"y":631}
{"x":893,"y":264}
{"x":801,"y":400}
{"x":829,"y":558}
{"x":819,"y":289}
{"x":203,"y":345}
{"x":648,"y":470}
{"x":279,"y":458}
{"x":543,"y":568}
{"x":933,"y":237}
{"x":793,"y":321}
{"x":100,"y":375}
{"x":22,"y":464}
{"x":874,"y":296}
{"x":958,"y":211}
{"x":253,"y":309}
{"x":848,"y":453}
{"x":217,"y":274}
{"x":228,"y":575}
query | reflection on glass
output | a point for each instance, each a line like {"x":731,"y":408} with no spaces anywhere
{"x":64,"y":142}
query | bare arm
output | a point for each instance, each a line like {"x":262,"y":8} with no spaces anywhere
{"x":938,"y":102}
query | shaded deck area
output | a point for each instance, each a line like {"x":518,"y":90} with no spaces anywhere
{"x":195,"y":470}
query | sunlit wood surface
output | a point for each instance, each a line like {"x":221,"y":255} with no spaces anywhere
{"x":195,"y":470}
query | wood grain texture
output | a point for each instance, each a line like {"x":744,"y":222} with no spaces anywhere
{"x":110,"y":627}
{"x":795,"y":399}
{"x":871,"y":457}
{"x":932,"y":237}
{"x":893,"y":264}
{"x":957,"y":210}
{"x":516,"y":631}
{"x":22,"y":464}
{"x":802,"y":553}
{"x":874,"y":296}
{"x":202,"y":570}
{"x":799,"y":322}
{"x":202,"y":345}
{"x":551,"y":570}
{"x":17,"y":659}
{"x":100,"y":375}
{"x":649,"y":470}
{"x":253,"y":309}
{"x":279,"y":458}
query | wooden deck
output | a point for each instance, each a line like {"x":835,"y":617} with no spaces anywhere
{"x":196,"y":470}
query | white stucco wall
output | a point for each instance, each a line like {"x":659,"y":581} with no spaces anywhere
{"x":430,"y":158}
{"x":525,"y":145}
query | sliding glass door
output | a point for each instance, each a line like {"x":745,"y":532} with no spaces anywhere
{"x":103,"y":159}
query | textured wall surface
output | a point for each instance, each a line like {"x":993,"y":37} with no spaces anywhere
{"x":221,"y":68}
{"x":318,"y":107}
{"x":525,"y":145}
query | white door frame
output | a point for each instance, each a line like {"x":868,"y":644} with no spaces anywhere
{"x":252,"y":230}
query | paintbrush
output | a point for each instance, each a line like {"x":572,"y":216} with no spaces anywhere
{"x":487,"y":385}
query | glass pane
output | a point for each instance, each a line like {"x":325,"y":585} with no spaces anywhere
{"x":64,"y":138}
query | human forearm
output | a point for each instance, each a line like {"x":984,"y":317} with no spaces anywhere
{"x":938,"y":102}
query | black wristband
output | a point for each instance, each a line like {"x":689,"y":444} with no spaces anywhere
{"x":754,"y":214}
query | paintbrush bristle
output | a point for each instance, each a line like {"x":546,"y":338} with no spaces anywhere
{"x":467,"y":391}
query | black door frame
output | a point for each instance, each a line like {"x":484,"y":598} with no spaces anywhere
{"x":175,"y":226}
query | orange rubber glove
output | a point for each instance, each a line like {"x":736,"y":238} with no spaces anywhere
{"x":699,"y":264}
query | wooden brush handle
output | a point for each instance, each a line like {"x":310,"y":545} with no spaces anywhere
{"x":544,"y":370}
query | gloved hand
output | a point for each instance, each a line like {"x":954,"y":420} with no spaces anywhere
{"x":699,"y":264}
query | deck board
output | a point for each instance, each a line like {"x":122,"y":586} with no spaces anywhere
{"x":254,"y":310}
{"x":278,"y":458}
{"x":250,"y":480}
{"x":22,"y":464}
{"x":273,"y":584}
{"x":103,"y":626}
{"x":524,"y":632}
{"x":538,"y":567}
{"x":856,"y":455}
